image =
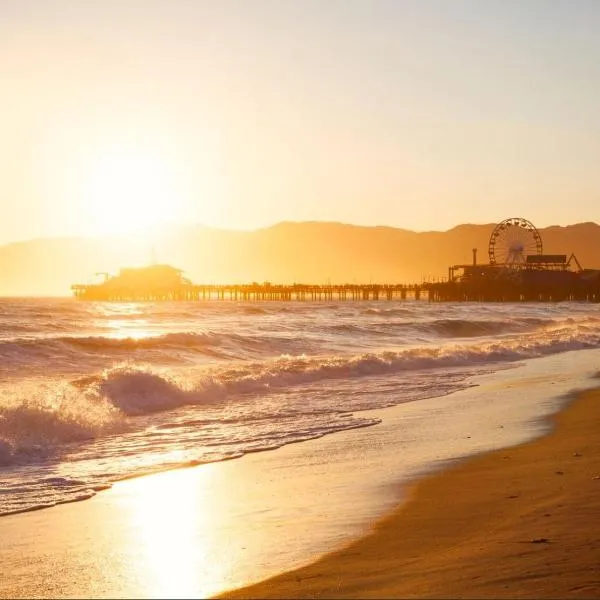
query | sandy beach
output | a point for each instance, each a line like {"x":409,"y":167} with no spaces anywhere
{"x":517,"y":523}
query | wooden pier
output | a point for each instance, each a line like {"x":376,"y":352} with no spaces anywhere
{"x":253,"y":292}
{"x":509,"y":291}
{"x":552,"y":282}
{"x":453,"y":291}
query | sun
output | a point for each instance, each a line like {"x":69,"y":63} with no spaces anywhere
{"x":128,"y":190}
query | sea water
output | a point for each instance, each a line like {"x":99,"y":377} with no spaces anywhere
{"x":91,"y":393}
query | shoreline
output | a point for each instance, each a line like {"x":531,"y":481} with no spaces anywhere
{"x":512,"y":522}
{"x":201,"y":531}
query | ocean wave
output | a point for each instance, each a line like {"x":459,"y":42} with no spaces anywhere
{"x":66,"y":351}
{"x":138,"y":393}
{"x":254,"y":310}
{"x":32,"y":421}
{"x":389,"y":312}
{"x":476,"y":328}
{"x":166,"y":341}
{"x":440,"y":328}
{"x":468,"y":328}
{"x":80,"y":408}
{"x":45,"y":492}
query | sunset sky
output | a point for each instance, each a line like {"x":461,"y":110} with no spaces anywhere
{"x":239,"y":114}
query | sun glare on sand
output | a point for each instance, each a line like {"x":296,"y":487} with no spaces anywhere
{"x":129,"y":191}
{"x":176,"y":519}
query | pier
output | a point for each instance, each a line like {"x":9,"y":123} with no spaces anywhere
{"x":253,"y":292}
{"x":576,"y":289}
{"x":518,"y":271}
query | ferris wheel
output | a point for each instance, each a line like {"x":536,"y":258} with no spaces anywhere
{"x":512,"y":241}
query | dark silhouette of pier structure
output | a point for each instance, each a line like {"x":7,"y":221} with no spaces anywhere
{"x":474,"y":283}
{"x":518,"y":271}
{"x":176,"y":288}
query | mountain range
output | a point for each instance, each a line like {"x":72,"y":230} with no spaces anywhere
{"x":306,"y":252}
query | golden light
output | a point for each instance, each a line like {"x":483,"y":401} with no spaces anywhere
{"x":178,"y":519}
{"x":128,"y":190}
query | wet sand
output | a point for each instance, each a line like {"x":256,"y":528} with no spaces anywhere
{"x":515,"y":523}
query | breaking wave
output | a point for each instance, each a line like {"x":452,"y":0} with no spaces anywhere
{"x":34,"y":420}
{"x":100,"y":405}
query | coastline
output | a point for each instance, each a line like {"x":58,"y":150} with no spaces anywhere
{"x":515,"y":522}
{"x":202,"y":531}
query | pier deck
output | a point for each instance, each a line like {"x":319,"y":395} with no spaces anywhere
{"x":573,"y":289}
{"x":249,"y":293}
{"x":459,"y":291}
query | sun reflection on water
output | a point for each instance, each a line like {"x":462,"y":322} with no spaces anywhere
{"x":104,"y":309}
{"x":135,"y":329}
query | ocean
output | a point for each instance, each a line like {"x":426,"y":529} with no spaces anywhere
{"x":93,"y":393}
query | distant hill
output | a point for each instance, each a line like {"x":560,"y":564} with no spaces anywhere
{"x":314,"y":252}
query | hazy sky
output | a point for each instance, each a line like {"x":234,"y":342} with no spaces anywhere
{"x":417,"y":114}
